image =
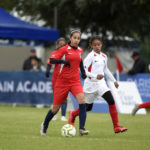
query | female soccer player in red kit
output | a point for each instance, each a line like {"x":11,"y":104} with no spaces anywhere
{"x":140,"y":106}
{"x":95,"y":65}
{"x":143,"y":105}
{"x":68,"y":80}
{"x":60,"y":43}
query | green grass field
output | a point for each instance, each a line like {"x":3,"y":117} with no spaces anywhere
{"x":20,"y":126}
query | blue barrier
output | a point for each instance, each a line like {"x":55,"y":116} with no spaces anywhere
{"x":32,"y":88}
{"x":143,"y":84}
{"x":23,"y":87}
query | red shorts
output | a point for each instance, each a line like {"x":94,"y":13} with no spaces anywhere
{"x":61,"y":93}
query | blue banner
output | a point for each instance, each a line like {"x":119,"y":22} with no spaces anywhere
{"x":13,"y":42}
{"x":143,"y":84}
{"x":23,"y":87}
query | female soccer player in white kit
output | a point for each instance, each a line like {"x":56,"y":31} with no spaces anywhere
{"x":95,"y":65}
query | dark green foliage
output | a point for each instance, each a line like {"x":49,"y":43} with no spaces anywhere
{"x":122,"y":17}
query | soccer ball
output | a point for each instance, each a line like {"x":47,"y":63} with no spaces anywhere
{"x":68,"y":130}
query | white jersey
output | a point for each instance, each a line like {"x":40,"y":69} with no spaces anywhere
{"x":95,"y":64}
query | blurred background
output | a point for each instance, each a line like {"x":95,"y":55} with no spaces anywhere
{"x":124,"y":26}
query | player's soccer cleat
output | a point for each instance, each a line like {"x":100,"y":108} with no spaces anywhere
{"x":43,"y":130}
{"x":54,"y":118}
{"x":71,"y":119}
{"x":63,"y":118}
{"x":135,"y":109}
{"x":119,"y":129}
{"x":83,"y":132}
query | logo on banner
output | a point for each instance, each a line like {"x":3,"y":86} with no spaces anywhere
{"x":26,"y":87}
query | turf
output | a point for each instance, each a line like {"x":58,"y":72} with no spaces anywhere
{"x":19,"y":130}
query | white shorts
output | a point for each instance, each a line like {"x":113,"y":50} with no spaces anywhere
{"x":94,"y":90}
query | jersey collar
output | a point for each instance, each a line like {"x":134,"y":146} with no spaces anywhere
{"x":96,"y":53}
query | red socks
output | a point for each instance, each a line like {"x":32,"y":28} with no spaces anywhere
{"x":76,"y":112}
{"x":114,"y":115}
{"x":145,"y":105}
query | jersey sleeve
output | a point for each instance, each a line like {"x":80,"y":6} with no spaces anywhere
{"x":87,"y":66}
{"x":59,"y":53}
{"x":108,"y":73}
{"x":48,"y":61}
{"x":52,"y":55}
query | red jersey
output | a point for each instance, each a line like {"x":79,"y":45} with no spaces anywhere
{"x":74,"y":56}
{"x":56,"y":69}
{"x":57,"y":66}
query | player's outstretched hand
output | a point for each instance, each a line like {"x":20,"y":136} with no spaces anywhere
{"x":47,"y":74}
{"x":100,"y":76}
{"x":116,"y":84}
{"x":67,"y":63}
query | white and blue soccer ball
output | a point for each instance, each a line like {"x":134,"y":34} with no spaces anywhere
{"x":68,"y":130}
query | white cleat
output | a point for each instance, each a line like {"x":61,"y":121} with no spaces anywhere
{"x":135,"y":109}
{"x":83,"y":132}
{"x":54,"y":118}
{"x":42,"y":130}
{"x":63,"y":118}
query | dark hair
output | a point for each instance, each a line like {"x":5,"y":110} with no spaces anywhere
{"x":95,"y":37}
{"x":61,"y":39}
{"x":32,"y":50}
{"x":74,"y":31}
{"x":35,"y":58}
{"x":135,"y":54}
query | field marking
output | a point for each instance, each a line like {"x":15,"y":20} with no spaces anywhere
{"x":77,"y":138}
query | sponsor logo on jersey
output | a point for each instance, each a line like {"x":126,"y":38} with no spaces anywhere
{"x":69,"y":47}
{"x":80,"y":55}
{"x":79,"y":49}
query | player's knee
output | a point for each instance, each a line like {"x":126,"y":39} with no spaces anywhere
{"x":109,"y":98}
{"x":82,"y":101}
{"x":55,"y":108}
{"x":112,"y":102}
{"x":80,"y":98}
{"x":89,"y":107}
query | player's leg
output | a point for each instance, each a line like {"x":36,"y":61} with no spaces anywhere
{"x":145,"y":105}
{"x":77,"y":91}
{"x":53,"y":85}
{"x":60,"y":95}
{"x":82,"y":114}
{"x":139,"y":106}
{"x":113,"y":112}
{"x":89,"y":107}
{"x":74,"y":113}
{"x":89,"y":98}
{"x":72,"y":116}
{"x":63,"y":111}
{"x":51,"y":113}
